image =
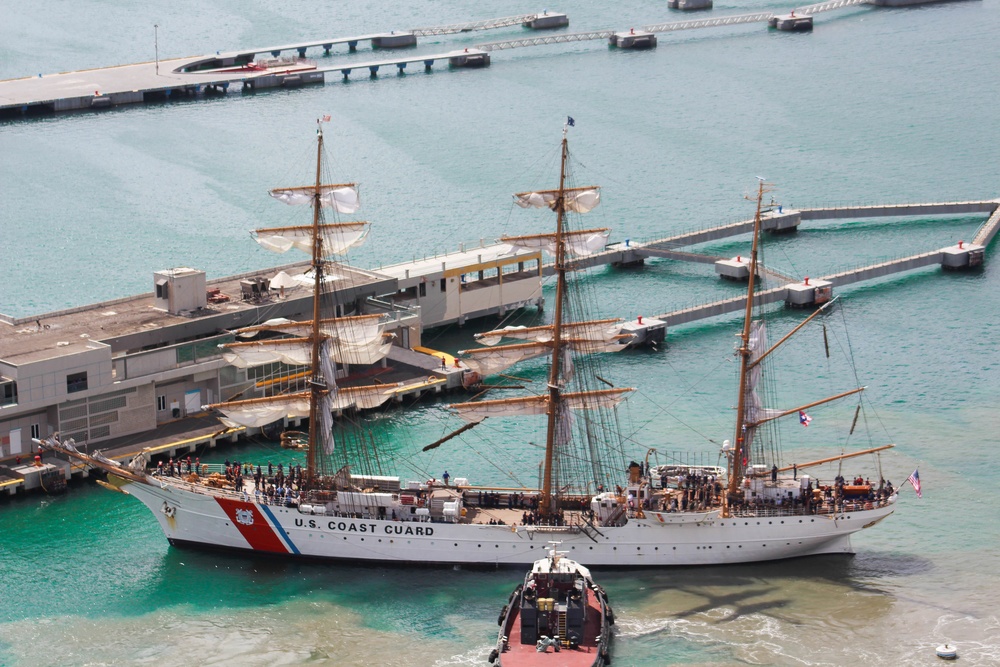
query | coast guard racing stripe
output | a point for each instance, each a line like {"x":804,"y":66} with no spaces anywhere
{"x":255,"y":527}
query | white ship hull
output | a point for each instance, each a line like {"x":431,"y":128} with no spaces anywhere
{"x":204,"y":520}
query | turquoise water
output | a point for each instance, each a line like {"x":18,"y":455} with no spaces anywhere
{"x":875,"y":105}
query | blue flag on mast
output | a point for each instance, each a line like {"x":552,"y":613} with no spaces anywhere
{"x":570,"y":121}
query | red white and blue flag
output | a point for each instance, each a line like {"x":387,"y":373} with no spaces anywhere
{"x":914,"y":479}
{"x":804,"y":419}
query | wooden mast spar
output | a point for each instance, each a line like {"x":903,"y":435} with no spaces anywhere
{"x":740,"y":447}
{"x":317,"y":386}
{"x":546,"y":505}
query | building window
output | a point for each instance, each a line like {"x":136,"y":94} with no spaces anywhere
{"x":76,"y":382}
{"x":423,"y":289}
{"x":8,"y":393}
{"x":444,"y":284}
{"x":161,"y":403}
{"x":162,"y":289}
{"x":35,"y":431}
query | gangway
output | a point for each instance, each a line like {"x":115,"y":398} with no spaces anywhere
{"x":989,"y":228}
{"x":709,"y":22}
{"x":486,"y":24}
{"x":548,"y":39}
{"x":810,"y":10}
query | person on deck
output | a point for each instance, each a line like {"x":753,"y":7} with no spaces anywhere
{"x":446,"y":477}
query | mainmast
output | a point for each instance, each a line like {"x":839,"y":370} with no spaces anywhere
{"x":555,"y":372}
{"x":317,"y":384}
{"x":742,"y":446}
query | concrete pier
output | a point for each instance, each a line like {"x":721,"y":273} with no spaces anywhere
{"x":792,"y":22}
{"x":547,"y":21}
{"x":689,"y":4}
{"x":633,"y":39}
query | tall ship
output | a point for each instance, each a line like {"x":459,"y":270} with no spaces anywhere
{"x":604,"y":507}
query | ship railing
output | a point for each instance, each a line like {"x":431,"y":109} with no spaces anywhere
{"x":800,"y":510}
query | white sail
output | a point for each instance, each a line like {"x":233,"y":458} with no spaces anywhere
{"x":343,"y":198}
{"x":354,"y":330}
{"x":363,"y":398}
{"x":539,"y":405}
{"x":291,"y":351}
{"x":578,"y":200}
{"x":298,"y":352}
{"x":489,"y":361}
{"x":577,"y":244}
{"x":364,"y":353}
{"x":261,"y":412}
{"x":337,"y":238}
{"x":605,"y":330}
{"x":755,"y":411}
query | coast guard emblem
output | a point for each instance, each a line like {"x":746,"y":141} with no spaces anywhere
{"x":244,"y":517}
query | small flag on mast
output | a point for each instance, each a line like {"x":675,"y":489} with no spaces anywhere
{"x":914,"y":479}
{"x":570,"y":121}
{"x":804,"y":419}
{"x":326,"y":119}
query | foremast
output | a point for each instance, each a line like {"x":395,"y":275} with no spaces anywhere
{"x":317,"y":382}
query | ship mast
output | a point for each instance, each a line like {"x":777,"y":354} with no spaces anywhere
{"x":546,"y":505}
{"x":317,"y":385}
{"x":742,"y":448}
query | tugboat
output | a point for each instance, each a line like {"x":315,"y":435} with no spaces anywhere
{"x":558,"y":616}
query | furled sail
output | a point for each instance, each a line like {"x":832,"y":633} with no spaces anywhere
{"x":298,"y":351}
{"x":578,"y":200}
{"x":363,"y":398}
{"x":594,"y":330}
{"x":363,"y":353}
{"x":755,"y":411}
{"x":539,"y":405}
{"x":261,"y":411}
{"x":489,"y":361}
{"x":291,"y":351}
{"x":342,"y":197}
{"x":578,"y":244}
{"x":337,"y":238}
{"x":354,"y":330}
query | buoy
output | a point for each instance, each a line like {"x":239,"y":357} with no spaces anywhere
{"x":947,"y":652}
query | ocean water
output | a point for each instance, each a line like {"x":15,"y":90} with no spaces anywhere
{"x":876,"y":105}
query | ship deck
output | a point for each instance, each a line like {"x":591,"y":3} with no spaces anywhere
{"x":587,"y":653}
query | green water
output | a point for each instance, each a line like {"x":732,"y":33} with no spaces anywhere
{"x":875,"y":105}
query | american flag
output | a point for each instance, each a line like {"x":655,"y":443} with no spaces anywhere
{"x":804,"y":419}
{"x":914,"y":479}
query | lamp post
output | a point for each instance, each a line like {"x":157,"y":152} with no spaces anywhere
{"x":156,"y":46}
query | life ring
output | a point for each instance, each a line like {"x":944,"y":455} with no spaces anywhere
{"x":168,"y":510}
